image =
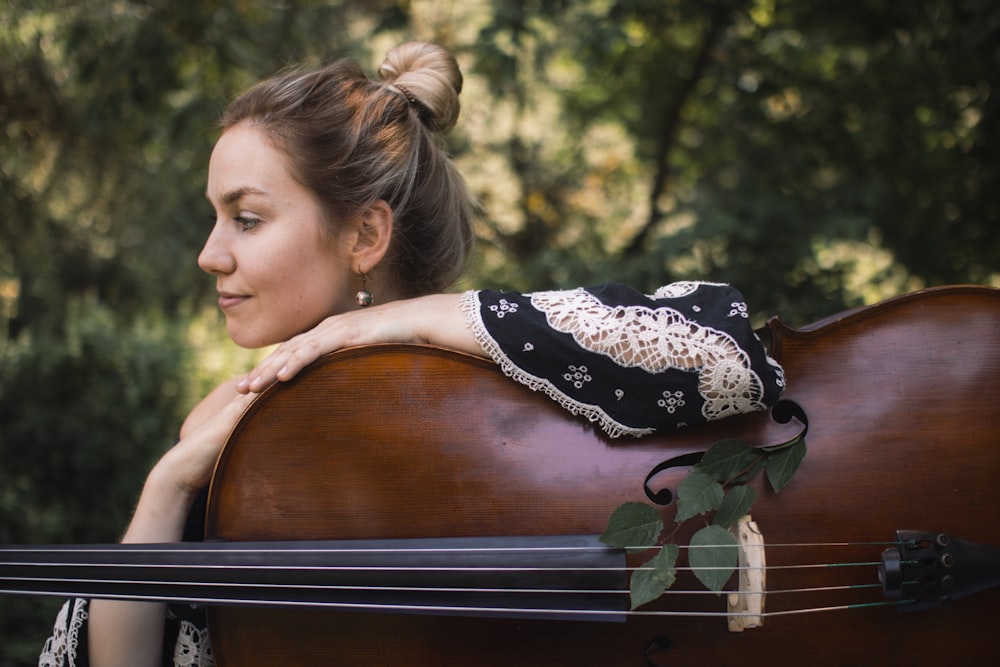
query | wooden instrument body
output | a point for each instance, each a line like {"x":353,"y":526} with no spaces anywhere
{"x":409,"y":441}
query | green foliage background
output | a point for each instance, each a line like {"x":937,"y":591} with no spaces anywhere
{"x":816,"y":155}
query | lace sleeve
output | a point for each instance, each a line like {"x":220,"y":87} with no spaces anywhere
{"x":185,"y":639}
{"x":185,"y":644}
{"x":67,"y":647}
{"x":633,"y":363}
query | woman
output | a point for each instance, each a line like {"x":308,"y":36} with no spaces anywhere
{"x":331,"y":191}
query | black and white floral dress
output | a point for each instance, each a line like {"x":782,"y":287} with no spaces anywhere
{"x":635,"y":364}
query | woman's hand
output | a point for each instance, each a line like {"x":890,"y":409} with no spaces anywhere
{"x":189,"y":463}
{"x":186,"y":468}
{"x":436,"y":320}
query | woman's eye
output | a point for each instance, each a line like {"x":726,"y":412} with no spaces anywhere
{"x":246,"y":223}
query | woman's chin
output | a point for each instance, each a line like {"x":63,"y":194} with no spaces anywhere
{"x":251,"y":340}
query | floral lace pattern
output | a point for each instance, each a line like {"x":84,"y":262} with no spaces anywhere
{"x":61,"y":648}
{"x":193,"y":648}
{"x":576,"y":375}
{"x":658,"y":340}
{"x":635,"y":364}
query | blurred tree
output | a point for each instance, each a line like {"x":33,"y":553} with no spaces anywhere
{"x":82,"y":416}
{"x":816,"y":155}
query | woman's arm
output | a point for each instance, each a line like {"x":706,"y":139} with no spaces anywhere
{"x":634,"y":363}
{"x":437,"y":319}
{"x":131,"y":633}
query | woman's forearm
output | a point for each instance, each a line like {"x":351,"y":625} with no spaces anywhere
{"x":130,"y":634}
{"x":436,"y":319}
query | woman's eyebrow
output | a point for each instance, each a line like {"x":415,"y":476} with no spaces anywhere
{"x":239,"y":193}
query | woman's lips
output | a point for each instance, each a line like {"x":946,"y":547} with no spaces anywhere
{"x":227,"y":301}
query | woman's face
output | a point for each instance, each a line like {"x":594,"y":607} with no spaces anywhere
{"x":279,"y":270}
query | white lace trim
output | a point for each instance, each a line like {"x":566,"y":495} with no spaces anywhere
{"x":193,"y":647}
{"x":635,"y":336}
{"x":593,"y":413}
{"x":657,"y":340}
{"x":61,"y":648}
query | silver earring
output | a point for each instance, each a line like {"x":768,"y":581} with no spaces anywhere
{"x":364,"y":297}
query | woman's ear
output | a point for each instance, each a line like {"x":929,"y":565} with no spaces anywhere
{"x":374,"y":234}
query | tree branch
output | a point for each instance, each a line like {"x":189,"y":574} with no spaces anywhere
{"x":720,"y":21}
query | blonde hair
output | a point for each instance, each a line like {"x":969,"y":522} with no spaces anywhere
{"x":353,"y":141}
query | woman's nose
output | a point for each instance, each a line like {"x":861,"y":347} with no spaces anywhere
{"x":215,"y":257}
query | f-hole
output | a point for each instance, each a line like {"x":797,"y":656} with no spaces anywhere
{"x":656,"y":645}
{"x":782,"y":413}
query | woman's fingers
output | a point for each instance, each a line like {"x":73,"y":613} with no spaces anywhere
{"x":293,"y":355}
{"x":191,"y":461}
{"x":436,"y":319}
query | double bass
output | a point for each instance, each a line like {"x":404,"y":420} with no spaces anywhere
{"x":425,"y":510}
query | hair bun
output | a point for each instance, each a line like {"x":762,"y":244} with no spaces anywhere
{"x":427,"y":75}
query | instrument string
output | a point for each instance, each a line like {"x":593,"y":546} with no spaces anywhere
{"x":211,"y":550}
{"x":55,"y":582}
{"x":473,"y":610}
{"x":426,"y":589}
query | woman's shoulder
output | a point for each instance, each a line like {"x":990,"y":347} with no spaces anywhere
{"x":214,"y":401}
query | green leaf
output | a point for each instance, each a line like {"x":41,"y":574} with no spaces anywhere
{"x":782,"y":464}
{"x":737,"y":502}
{"x":726,"y":459}
{"x":713,"y":556}
{"x":633,"y":525}
{"x":655,"y":577}
{"x":752,"y":470}
{"x":696,"y":494}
